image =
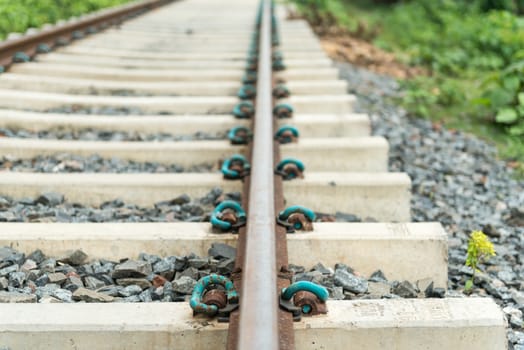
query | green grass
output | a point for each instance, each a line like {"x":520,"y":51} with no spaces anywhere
{"x":450,"y":101}
{"x":466,"y":50}
{"x":18,"y":15}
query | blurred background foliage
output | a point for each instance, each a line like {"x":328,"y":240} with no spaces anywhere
{"x":473,"y":51}
{"x":18,"y":15}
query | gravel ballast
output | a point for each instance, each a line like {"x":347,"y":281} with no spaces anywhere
{"x":70,"y":163}
{"x":106,"y":135}
{"x":458,"y":181}
{"x":54,"y":207}
{"x":74,"y":109}
{"x":149,"y":278}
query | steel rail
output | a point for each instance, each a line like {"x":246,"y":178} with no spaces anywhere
{"x":28,"y":44}
{"x":258,"y":314}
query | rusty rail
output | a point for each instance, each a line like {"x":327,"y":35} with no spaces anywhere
{"x":262,"y":259}
{"x":28,"y":44}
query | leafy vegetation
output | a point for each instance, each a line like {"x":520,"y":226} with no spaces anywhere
{"x":18,"y":15}
{"x":473,"y":50}
{"x":480,"y":250}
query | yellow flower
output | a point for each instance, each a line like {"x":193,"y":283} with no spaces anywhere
{"x":480,"y":249}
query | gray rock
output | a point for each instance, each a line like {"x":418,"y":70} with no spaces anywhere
{"x":27,"y":201}
{"x":106,"y":279}
{"x":15,"y":297}
{"x":378,"y":276}
{"x":50,"y":199}
{"x":91,"y":282}
{"x":37,"y":256}
{"x":146,"y":296}
{"x":17,"y":279}
{"x":350,"y":282}
{"x":203,"y":273}
{"x":28,"y":265}
{"x":184,"y":285}
{"x":42,"y":280}
{"x":6,"y":253}
{"x":164,"y":268}
{"x":99,"y":268}
{"x":512,"y":311}
{"x":63,"y":295}
{"x":113,"y":291}
{"x":213,"y":265}
{"x":48,"y":289}
{"x":76,"y":281}
{"x":141,"y":282}
{"x":303,"y":276}
{"x":189,"y":272}
{"x":179,"y":263}
{"x":57,"y":278}
{"x":75,"y":258}
{"x":311,"y":276}
{"x":222,"y":251}
{"x":132,"y":269}
{"x":132,"y":299}
{"x":491,"y":231}
{"x":296,"y":268}
{"x":437,"y":293}
{"x":9,"y":269}
{"x":157,"y":294}
{"x":405,"y":289}
{"x":182,"y":199}
{"x":4,"y":203}
{"x":7,"y":216}
{"x":198,"y":263}
{"x":130,"y":290}
{"x":4,"y":283}
{"x":345,"y":267}
{"x":336,"y":293}
{"x":89,"y":296}
{"x":497,"y":292}
{"x":518,"y":297}
{"x":226,"y":267}
{"x":85,"y":270}
{"x":48,"y":265}
{"x":150,"y":258}
{"x":506,"y":276}
{"x":322,"y":269}
{"x":14,"y":258}
{"x":516,"y":322}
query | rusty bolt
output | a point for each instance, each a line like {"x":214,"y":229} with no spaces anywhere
{"x":309,"y":303}
{"x":290,"y":169}
{"x":237,"y":167}
{"x":287,"y":137}
{"x":306,"y":225}
{"x":229,"y":216}
{"x":215,"y":297}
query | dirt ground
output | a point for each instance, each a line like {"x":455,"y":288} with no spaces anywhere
{"x":345,"y":47}
{"x":363,"y":54}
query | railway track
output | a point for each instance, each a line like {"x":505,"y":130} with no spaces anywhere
{"x":162,"y":92}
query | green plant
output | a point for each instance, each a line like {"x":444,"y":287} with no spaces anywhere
{"x":17,"y":16}
{"x":504,"y":95}
{"x":480,"y":250}
{"x":473,"y":50}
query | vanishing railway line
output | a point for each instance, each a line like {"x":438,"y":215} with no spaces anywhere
{"x":173,"y":92}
